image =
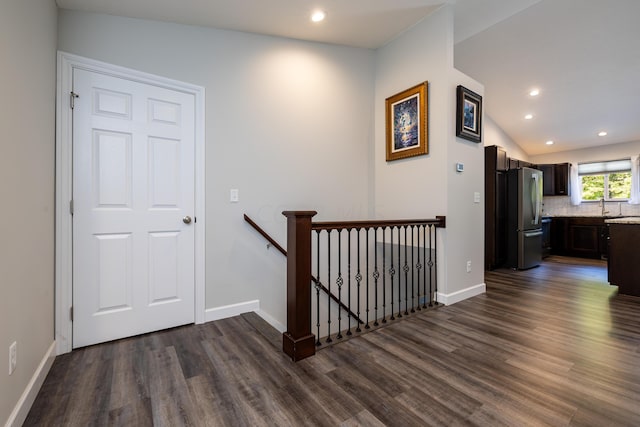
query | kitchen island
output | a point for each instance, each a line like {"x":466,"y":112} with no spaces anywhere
{"x":624,"y":254}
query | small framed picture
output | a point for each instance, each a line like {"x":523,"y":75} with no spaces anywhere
{"x":406,"y":123}
{"x":469,"y":115}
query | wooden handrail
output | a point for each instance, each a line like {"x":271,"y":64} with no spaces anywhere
{"x":440,"y":221}
{"x":283,"y":251}
{"x":265,"y":235}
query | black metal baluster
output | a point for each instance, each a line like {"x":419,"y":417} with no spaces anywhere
{"x":406,"y":273}
{"x":384,"y":275}
{"x":318,"y":343}
{"x":424,"y":263}
{"x":349,"y":279}
{"x":392,"y":272}
{"x":435,"y":254}
{"x":399,"y":277}
{"x":339,"y":283}
{"x":413,"y":292}
{"x":329,"y":287}
{"x":358,"y":280}
{"x":366,"y":326}
{"x":418,"y":268}
{"x":430,"y":267}
{"x":376,"y":275}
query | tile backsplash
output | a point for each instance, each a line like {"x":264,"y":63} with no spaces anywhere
{"x":561,"y":206}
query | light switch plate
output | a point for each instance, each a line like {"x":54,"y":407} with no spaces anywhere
{"x":234,"y":195}
{"x":476,"y":197}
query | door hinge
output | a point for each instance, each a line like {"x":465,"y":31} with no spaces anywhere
{"x":72,"y":99}
{"x":71,"y":313}
{"x":71,"y":207}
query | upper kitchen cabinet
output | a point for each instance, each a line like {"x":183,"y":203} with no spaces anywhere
{"x":548,"y":176}
{"x":561,"y":179}
{"x":496,"y":158}
{"x":556,"y":179}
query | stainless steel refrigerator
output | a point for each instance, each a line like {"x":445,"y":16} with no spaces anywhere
{"x":524,"y":218}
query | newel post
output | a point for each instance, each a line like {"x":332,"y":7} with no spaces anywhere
{"x":298,"y":341}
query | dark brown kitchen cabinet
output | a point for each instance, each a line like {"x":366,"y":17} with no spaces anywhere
{"x":559,"y":227}
{"x":556,"y":179}
{"x":496,"y":158}
{"x":546,"y":237}
{"x":561,"y":179}
{"x":524,"y":164}
{"x":514,"y":163}
{"x":517,"y":164}
{"x":548,"y":176}
{"x":624,"y":258}
{"x":579,"y":237}
{"x":604,"y":241}
{"x":584,"y":237}
{"x":496,"y":165}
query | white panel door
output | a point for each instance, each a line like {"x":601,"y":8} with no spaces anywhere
{"x":133,"y":192}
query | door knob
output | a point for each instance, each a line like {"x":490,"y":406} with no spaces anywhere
{"x":186,"y":219}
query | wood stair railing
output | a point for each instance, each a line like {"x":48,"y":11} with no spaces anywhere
{"x":283,"y":251}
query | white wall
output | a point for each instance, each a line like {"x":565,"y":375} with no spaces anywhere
{"x":288,"y":123}
{"x":494,"y":135}
{"x":427,"y":186}
{"x":27,"y":120}
{"x":465,"y":218}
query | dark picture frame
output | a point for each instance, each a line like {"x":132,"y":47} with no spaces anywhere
{"x":406,"y":123}
{"x":469,"y":115}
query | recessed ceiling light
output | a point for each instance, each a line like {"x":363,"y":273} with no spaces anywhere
{"x":603,"y":133}
{"x":549,"y":142}
{"x":528,"y":117}
{"x":318,"y":16}
{"x":534,"y":92}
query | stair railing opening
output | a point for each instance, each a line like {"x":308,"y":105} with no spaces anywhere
{"x":379,"y":271}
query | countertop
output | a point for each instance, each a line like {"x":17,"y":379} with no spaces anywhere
{"x":606,"y":217}
{"x":626,"y":220}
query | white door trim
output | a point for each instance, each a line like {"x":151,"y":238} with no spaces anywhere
{"x":64,"y":184}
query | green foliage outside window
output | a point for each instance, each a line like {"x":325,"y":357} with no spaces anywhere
{"x":592,"y":187}
{"x":618,"y":186}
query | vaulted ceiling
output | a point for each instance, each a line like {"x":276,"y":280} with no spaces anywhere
{"x":583,"y":55}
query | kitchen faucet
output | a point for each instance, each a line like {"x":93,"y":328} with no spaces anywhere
{"x":603,"y":207}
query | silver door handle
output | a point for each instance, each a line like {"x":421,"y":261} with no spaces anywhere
{"x":186,"y":219}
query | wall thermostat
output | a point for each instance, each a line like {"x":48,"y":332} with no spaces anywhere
{"x":459,"y":167}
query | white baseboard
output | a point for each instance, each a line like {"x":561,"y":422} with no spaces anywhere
{"x":454,"y":297}
{"x":272,"y":321}
{"x":226,"y":311}
{"x":22,"y":408}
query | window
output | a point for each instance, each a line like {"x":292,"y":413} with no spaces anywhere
{"x":606,"y":180}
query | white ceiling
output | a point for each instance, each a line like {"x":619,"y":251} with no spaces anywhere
{"x":358,"y":23}
{"x":584,"y":55}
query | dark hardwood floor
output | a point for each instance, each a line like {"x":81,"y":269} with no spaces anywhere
{"x":553,"y":346}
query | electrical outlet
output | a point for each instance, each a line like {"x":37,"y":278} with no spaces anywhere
{"x":13,"y":357}
{"x":468,"y":266}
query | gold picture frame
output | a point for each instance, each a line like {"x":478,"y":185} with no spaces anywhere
{"x":406,"y":123}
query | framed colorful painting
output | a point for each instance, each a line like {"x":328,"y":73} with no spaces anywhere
{"x":406,"y":123}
